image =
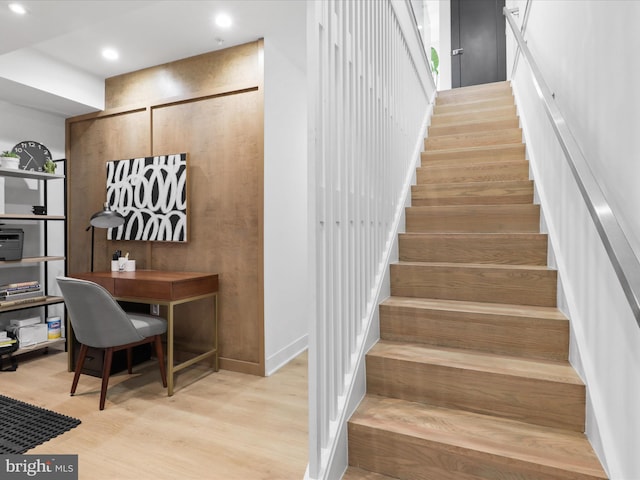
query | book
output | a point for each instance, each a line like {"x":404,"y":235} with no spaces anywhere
{"x":17,"y":296}
{"x":7,"y":342}
{"x":19,"y":290}
{"x":19,"y":284}
{"x":12,"y":303}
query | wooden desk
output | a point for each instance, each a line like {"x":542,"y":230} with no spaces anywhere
{"x":162,"y":288}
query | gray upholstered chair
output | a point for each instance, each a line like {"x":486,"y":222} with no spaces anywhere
{"x":98,"y":321}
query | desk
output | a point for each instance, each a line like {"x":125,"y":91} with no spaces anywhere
{"x":162,"y":288}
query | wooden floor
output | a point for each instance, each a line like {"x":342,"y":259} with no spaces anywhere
{"x":225,"y":425}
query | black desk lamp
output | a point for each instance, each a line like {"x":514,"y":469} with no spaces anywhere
{"x":103,"y":219}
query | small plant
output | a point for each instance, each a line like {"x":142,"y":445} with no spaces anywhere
{"x":9,"y":154}
{"x":50,"y":166}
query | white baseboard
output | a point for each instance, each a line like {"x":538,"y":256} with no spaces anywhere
{"x":285,"y":355}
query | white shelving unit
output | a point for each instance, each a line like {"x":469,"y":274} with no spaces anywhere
{"x":38,"y":183}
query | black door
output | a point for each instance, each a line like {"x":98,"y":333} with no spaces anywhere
{"x":478,"y":42}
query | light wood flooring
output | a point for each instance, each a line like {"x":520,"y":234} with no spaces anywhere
{"x":222,"y":425}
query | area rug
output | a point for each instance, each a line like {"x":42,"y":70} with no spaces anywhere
{"x":24,"y":426}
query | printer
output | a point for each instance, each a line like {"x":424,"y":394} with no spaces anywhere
{"x":11,"y":240}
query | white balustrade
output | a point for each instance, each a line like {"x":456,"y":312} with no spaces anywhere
{"x":370,"y":92}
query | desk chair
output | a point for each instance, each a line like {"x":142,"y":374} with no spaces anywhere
{"x":98,"y":321}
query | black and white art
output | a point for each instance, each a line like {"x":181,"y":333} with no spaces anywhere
{"x":151,"y":194}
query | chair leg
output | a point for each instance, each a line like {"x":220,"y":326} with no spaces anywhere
{"x":79,"y":365}
{"x":160,"y":355}
{"x":129,"y":360}
{"x":106,"y":371}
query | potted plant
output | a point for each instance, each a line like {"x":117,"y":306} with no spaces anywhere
{"x":50,"y":166}
{"x":9,"y":159}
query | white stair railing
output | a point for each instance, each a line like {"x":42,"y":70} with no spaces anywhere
{"x":370,"y":91}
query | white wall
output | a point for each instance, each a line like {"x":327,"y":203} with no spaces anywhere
{"x":285,"y":208}
{"x":585,"y":51}
{"x":20,"y":123}
{"x":444,"y":82}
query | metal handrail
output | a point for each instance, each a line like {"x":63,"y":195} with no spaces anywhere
{"x":623,"y":259}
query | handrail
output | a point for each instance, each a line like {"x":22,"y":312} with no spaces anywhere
{"x":623,"y":259}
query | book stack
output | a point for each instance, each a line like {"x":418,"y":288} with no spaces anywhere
{"x":19,"y":293}
{"x":6,"y":341}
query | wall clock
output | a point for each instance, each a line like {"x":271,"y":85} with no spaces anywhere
{"x":33,"y":155}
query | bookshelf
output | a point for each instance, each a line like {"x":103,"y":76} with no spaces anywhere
{"x":45,"y":243}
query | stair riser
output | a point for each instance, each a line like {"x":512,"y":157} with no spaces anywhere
{"x":528,"y":337}
{"x":474,"y":139}
{"x":493,"y":172}
{"x":405,"y":457}
{"x":506,"y":123}
{"x":474,"y":105}
{"x":502,"y":193}
{"x":475,"y":284}
{"x":474,"y":89}
{"x":474,"y":219}
{"x":459,"y":158}
{"x":503,"y":91}
{"x":492,"y":113}
{"x":540,"y":402}
{"x":461,"y":248}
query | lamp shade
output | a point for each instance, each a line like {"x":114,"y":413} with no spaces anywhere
{"x":106,"y":218}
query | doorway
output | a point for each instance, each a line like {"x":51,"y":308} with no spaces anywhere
{"x":478,"y":42}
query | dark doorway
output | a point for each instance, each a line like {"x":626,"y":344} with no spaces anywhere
{"x":478,"y":42}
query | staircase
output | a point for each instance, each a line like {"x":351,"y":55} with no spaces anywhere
{"x":470,"y":379}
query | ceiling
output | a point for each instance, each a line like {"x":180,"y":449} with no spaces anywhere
{"x":72,"y":34}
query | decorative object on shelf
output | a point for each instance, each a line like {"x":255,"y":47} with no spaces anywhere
{"x":105,"y":218}
{"x":151,"y":194}
{"x":9,"y":160}
{"x":33,"y":155}
{"x":50,"y":166}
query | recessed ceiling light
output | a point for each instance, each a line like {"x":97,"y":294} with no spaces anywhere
{"x":17,"y":8}
{"x":223,"y":20}
{"x":110,"y":53}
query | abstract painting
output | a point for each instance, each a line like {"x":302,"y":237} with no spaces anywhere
{"x":151,"y":194}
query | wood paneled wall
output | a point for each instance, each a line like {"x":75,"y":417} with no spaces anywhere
{"x":210,"y":106}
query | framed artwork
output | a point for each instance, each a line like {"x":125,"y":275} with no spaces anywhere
{"x":151,"y":194}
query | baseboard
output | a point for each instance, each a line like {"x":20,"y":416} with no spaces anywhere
{"x":286,"y":354}
{"x":241,"y":366}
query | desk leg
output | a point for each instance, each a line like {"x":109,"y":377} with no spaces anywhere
{"x":170,"y":349}
{"x":216,"y":361}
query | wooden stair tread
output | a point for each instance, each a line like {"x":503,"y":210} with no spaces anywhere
{"x":478,"y":115}
{"x":472,"y":209}
{"x":479,"y":266}
{"x":501,"y":122}
{"x":519,"y":146}
{"x":485,"y":248}
{"x":495,"y":192}
{"x":473,"y":104}
{"x":505,"y":329}
{"x":549,"y":313}
{"x":473,"y":139}
{"x":541,"y":447}
{"x":473,"y":172}
{"x":506,"y":152}
{"x":455,"y":92}
{"x":477,"y":361}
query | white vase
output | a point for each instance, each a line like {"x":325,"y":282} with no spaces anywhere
{"x":10,"y":162}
